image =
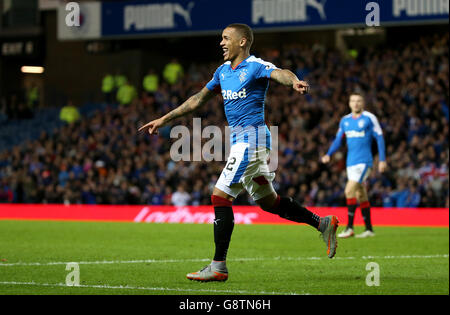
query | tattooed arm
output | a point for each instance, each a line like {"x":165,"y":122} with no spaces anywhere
{"x":189,"y":106}
{"x":287,"y":77}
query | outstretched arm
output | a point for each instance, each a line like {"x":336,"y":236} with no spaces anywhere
{"x":288,"y":78}
{"x":335,"y":145}
{"x":189,"y":106}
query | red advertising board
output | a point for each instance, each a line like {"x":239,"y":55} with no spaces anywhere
{"x":205,"y":214}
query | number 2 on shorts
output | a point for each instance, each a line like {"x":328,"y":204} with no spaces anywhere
{"x":231,"y":163}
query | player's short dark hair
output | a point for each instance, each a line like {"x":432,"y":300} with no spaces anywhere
{"x":245,"y":31}
{"x":358,"y":94}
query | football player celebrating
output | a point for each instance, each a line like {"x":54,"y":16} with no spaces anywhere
{"x":359,"y":127}
{"x":243,"y":80}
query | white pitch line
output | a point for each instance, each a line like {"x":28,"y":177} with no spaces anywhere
{"x":106,"y":262}
{"x":127,"y":287}
{"x":145,"y":261}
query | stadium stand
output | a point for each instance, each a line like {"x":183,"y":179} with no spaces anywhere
{"x":101,"y":159}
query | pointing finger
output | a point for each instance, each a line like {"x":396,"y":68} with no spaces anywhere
{"x":143,"y":127}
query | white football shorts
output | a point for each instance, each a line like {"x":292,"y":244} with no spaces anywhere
{"x":247,"y":170}
{"x":359,"y":172}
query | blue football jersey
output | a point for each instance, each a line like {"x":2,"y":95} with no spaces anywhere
{"x":359,"y":132}
{"x":244,"y":90}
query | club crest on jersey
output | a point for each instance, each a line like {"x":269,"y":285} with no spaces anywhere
{"x":243,"y":75}
{"x":361,"y":123}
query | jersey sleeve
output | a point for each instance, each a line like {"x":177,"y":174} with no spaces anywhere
{"x":214,"y":83}
{"x":337,"y":141}
{"x":264,"y":69}
{"x":378,"y":135}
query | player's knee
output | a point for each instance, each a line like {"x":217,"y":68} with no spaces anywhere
{"x":359,"y":195}
{"x":270,"y":203}
{"x":350,"y":191}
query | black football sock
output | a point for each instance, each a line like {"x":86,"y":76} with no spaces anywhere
{"x":351,"y":206}
{"x":365,"y":210}
{"x":223,"y":227}
{"x":292,"y":210}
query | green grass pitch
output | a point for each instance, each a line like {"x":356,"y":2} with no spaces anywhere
{"x":140,"y":258}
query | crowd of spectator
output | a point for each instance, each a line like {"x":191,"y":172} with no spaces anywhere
{"x":104,"y":160}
